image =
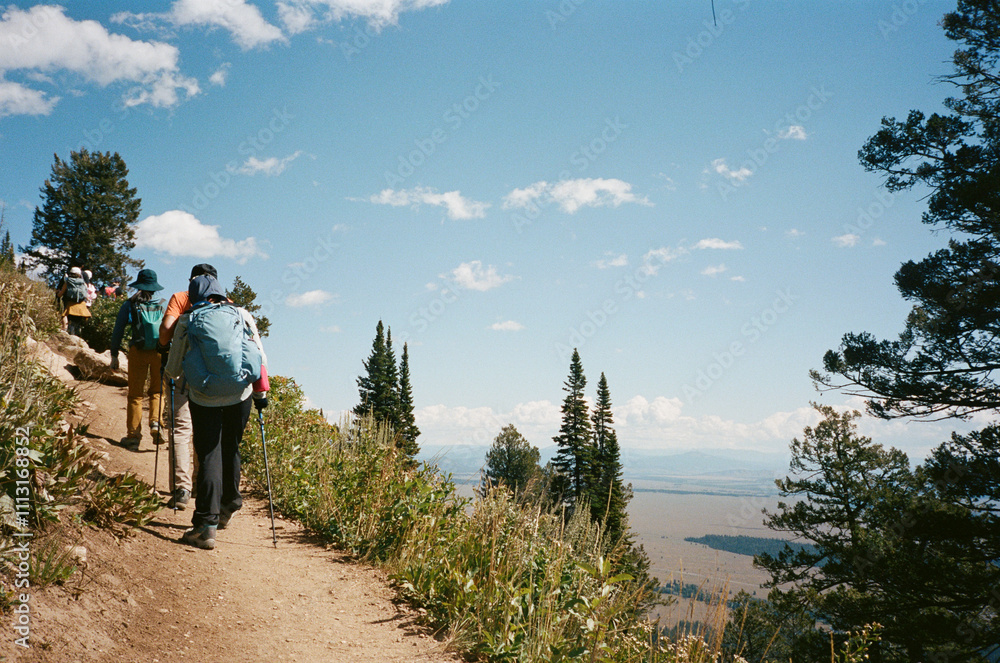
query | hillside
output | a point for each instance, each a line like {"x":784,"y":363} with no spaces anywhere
{"x":146,"y":597}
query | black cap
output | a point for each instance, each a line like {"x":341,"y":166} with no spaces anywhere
{"x":203,"y":268}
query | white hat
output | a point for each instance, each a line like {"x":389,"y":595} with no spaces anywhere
{"x":75,"y":271}
{"x":88,"y":273}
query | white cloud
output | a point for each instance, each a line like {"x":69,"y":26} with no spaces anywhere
{"x":243,"y":21}
{"x":878,"y":242}
{"x":310,"y":298}
{"x":795,"y":232}
{"x":657,"y":258}
{"x":332,"y":329}
{"x":716,"y":243}
{"x":612,"y":261}
{"x":507,"y":325}
{"x":16,"y":99}
{"x":179,"y":234}
{"x":457,"y":206}
{"x":220,"y":75}
{"x":472,"y":276}
{"x":738,"y":279}
{"x":846,"y":241}
{"x":723,"y":169}
{"x":301,"y":15}
{"x":793,"y":132}
{"x":713,"y":270}
{"x":270,"y":167}
{"x":571,"y":195}
{"x":43,"y":40}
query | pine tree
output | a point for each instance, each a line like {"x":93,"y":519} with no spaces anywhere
{"x":511,"y":461}
{"x":86,"y":218}
{"x":573,"y":461}
{"x":408,"y":431}
{"x":6,"y":248}
{"x":377,"y":387}
{"x":243,"y":295}
{"x":609,"y":497}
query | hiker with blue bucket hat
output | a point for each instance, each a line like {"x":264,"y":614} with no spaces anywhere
{"x":141,"y":314}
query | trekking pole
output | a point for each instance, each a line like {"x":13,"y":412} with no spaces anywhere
{"x":156,"y":443}
{"x":172,"y":452}
{"x":267,"y":473}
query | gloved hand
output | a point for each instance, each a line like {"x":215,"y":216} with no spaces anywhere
{"x":114,"y":362}
{"x":164,"y":351}
{"x":260,"y":402}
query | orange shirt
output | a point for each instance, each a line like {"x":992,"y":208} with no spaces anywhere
{"x":179,"y":304}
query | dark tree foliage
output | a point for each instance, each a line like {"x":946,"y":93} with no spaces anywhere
{"x":512,"y":461}
{"x":609,"y":497}
{"x":573,"y":461}
{"x":378,"y":386}
{"x":942,"y":364}
{"x":86,"y":219}
{"x":407,"y":425}
{"x":243,"y":295}
{"x":6,"y":250}
{"x":885,"y":548}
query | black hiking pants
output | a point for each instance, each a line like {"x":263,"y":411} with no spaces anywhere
{"x":217,"y":432}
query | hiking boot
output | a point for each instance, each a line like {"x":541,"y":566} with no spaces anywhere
{"x":154,"y":431}
{"x":200,"y":537}
{"x":225,"y":518}
{"x":131,"y":443}
{"x":179,"y":499}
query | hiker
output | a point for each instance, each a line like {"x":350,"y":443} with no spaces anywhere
{"x":223,"y":365}
{"x":179,"y":304}
{"x":142,"y":314}
{"x":91,"y":288}
{"x":113,"y":289}
{"x":72,"y":294}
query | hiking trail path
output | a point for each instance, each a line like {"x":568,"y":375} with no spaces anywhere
{"x":147,"y":597}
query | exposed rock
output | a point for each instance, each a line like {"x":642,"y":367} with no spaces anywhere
{"x":55,"y":364}
{"x":66,"y":344}
{"x":94,"y":366}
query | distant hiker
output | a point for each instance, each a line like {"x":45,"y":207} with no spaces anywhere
{"x":72,"y":294}
{"x":217,"y":349}
{"x":142,"y":314}
{"x":112,"y":289}
{"x":91,"y":288}
{"x":179,"y":304}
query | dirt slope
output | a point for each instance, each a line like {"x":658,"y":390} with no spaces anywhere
{"x":150,"y":598}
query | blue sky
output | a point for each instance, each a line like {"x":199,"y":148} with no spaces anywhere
{"x":501,"y":182}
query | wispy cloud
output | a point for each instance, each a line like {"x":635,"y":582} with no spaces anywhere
{"x":301,"y":15}
{"x":271,"y":166}
{"x":716,"y":243}
{"x":794,"y":233}
{"x":612,"y":260}
{"x":741,"y":175}
{"x":846,"y":241}
{"x":310,"y":298}
{"x":473,"y":276}
{"x":713,"y":270}
{"x":657,"y":258}
{"x":243,"y":21}
{"x":87,"y":49}
{"x":179,"y":234}
{"x":793,"y":132}
{"x":220,"y":75}
{"x":507,"y":325}
{"x":457,"y":206}
{"x":571,"y":195}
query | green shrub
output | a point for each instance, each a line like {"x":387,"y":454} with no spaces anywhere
{"x":114,"y":502}
{"x":98,"y":328}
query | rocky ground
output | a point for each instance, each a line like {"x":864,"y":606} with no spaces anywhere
{"x":147,"y":597}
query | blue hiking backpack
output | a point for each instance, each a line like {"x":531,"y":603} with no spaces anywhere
{"x":223,"y":358}
{"x":146,"y":317}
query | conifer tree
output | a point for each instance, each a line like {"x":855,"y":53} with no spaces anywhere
{"x":86,"y":218}
{"x":6,"y":250}
{"x":377,"y":387}
{"x":609,"y":497}
{"x":573,"y":461}
{"x":243,"y":295}
{"x":408,"y":431}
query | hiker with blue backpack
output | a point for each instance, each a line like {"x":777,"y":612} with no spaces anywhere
{"x":216,"y":348}
{"x":141,"y":314}
{"x":72,"y":298}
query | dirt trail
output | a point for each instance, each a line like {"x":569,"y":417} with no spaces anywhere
{"x":150,"y":598}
